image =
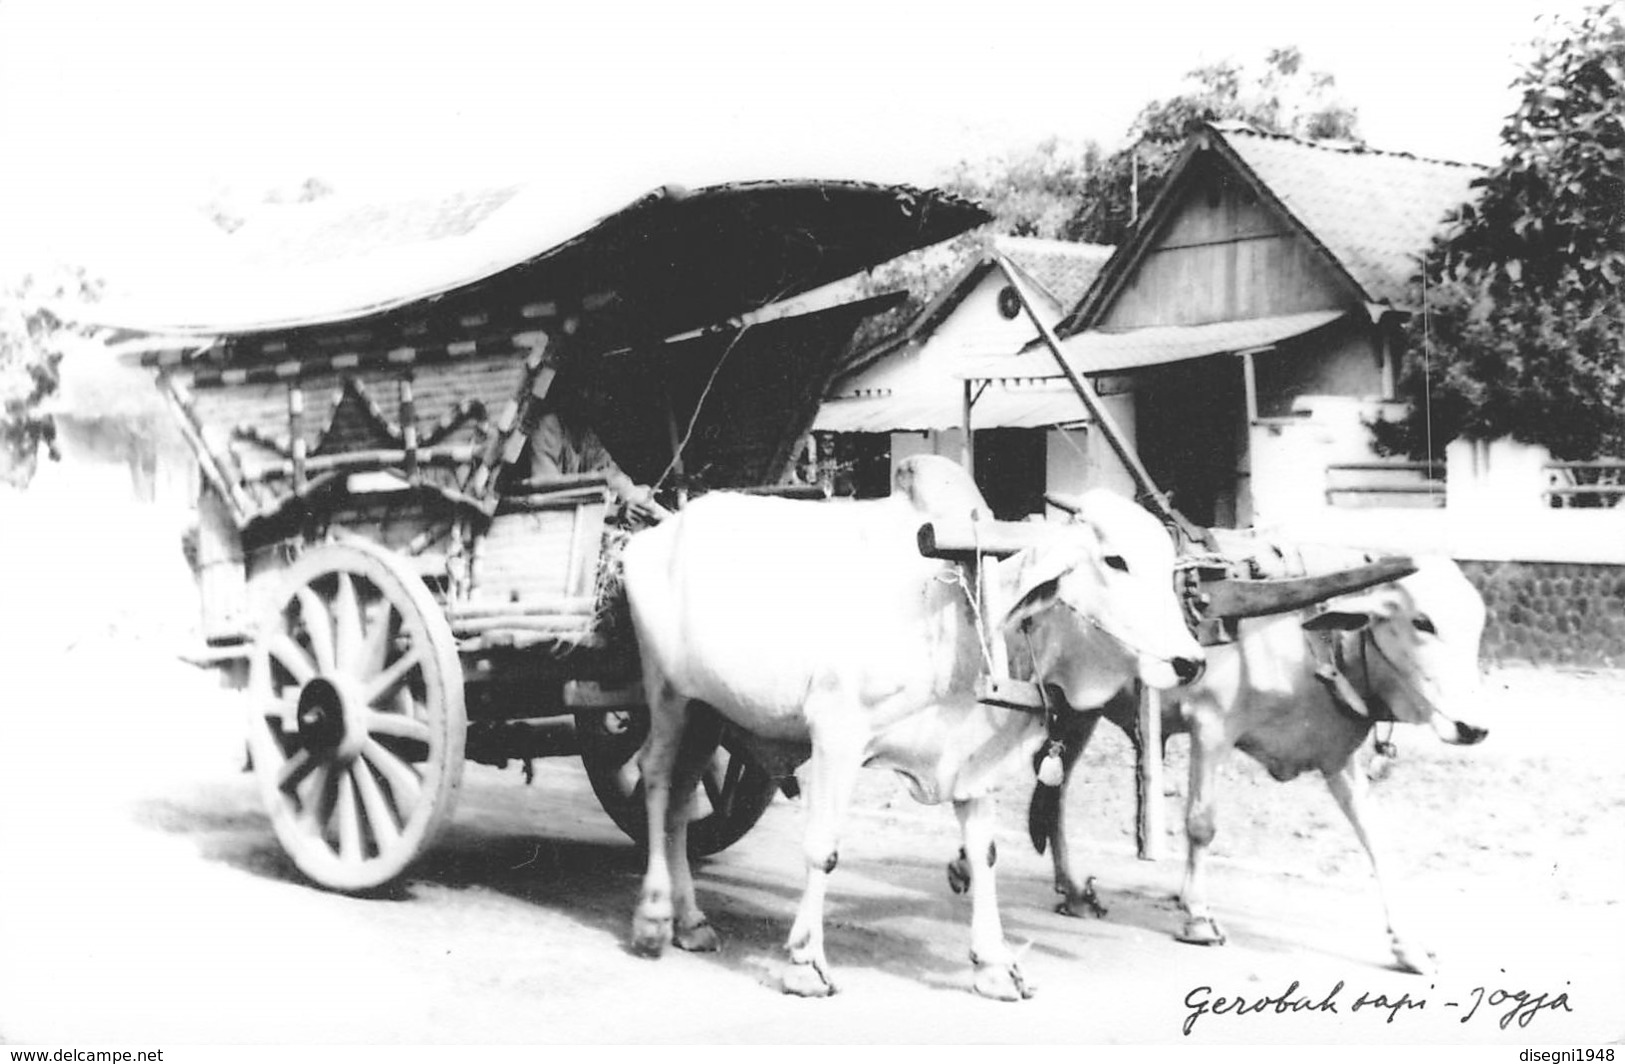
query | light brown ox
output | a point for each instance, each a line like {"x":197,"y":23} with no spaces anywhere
{"x":1407,"y":650}
{"x":820,"y":623}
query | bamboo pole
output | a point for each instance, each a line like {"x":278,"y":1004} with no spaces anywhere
{"x":296,"y":436}
{"x":409,"y":427}
{"x":370,"y":461}
{"x":229,"y":493}
{"x":548,"y":624}
{"x":560,"y":605}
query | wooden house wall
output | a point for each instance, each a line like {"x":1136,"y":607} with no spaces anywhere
{"x":1344,"y":359}
{"x":1224,"y":256}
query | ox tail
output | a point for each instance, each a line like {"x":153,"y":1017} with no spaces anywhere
{"x":1043,"y":814}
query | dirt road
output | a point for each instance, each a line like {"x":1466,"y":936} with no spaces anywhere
{"x":144,"y":898}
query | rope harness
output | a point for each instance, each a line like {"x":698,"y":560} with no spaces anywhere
{"x":1331,"y":664}
{"x":1050,"y":769}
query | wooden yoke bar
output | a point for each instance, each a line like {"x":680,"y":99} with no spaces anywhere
{"x":1257,"y":598}
{"x":962,"y":541}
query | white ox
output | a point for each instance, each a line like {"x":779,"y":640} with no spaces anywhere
{"x":1407,"y":650}
{"x":820,"y":623}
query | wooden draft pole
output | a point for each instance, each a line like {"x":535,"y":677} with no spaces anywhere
{"x":1148,"y":756}
{"x":1146,"y":490}
{"x":1148,"y":820}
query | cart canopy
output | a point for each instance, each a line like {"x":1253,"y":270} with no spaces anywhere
{"x":670,"y":261}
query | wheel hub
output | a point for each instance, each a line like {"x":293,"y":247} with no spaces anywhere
{"x":330,"y":717}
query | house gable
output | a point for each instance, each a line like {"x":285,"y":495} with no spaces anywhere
{"x":1220,"y":248}
{"x":988,"y":322}
{"x":1362,"y":219}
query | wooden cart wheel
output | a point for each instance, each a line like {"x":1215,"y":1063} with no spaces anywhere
{"x":356,"y":722}
{"x":734,"y":791}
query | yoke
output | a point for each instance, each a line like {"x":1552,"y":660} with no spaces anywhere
{"x":1214,"y":592}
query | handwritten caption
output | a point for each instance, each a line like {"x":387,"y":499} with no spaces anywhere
{"x":1506,"y":1006}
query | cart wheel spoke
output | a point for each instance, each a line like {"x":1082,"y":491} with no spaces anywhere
{"x":733,"y":777}
{"x":385,"y":683}
{"x":386,"y":829}
{"x":376,"y":651}
{"x":397,"y":726}
{"x":738,"y":791}
{"x":347,"y":820}
{"x":294,"y":770}
{"x":319,"y":626}
{"x":347,"y":627}
{"x":292,"y":657}
{"x":713,"y":789}
{"x":262,"y":744}
{"x":315,"y":802}
{"x":404,"y":785}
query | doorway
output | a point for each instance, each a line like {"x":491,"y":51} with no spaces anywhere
{"x":1010,"y":470}
{"x":1190,"y":418}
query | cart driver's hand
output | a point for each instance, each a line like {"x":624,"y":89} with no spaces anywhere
{"x":640,"y":503}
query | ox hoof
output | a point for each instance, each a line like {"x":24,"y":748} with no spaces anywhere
{"x":958,"y":875}
{"x":1408,"y":958}
{"x":806,"y":979}
{"x":700,"y":938}
{"x":1079,"y":903}
{"x":650,"y":934}
{"x":1002,"y":982}
{"x":1201,"y":931}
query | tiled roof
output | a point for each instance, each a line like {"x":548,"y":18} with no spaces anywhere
{"x":1062,"y":269}
{"x":1095,"y":351}
{"x":1065,"y":269}
{"x":1376,"y":212}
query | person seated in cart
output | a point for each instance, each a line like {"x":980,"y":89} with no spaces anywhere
{"x":563,"y":444}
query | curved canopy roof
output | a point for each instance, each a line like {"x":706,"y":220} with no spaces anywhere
{"x":670,"y":261}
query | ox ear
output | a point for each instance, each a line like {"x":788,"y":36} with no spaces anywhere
{"x":1337,"y":620}
{"x":1038,"y":582}
{"x":1033,"y":601}
{"x":1350,"y":613}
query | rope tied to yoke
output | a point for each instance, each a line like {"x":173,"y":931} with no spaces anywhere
{"x":954,"y":573}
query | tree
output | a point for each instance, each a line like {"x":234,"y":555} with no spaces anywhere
{"x":922,"y":274}
{"x":31,"y":352}
{"x":1522,"y":332}
{"x":1282,"y":98}
{"x":1032,"y":191}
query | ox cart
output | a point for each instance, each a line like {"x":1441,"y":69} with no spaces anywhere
{"x":378,"y":568}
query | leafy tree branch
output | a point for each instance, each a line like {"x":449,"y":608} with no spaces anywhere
{"x":1523,"y":326}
